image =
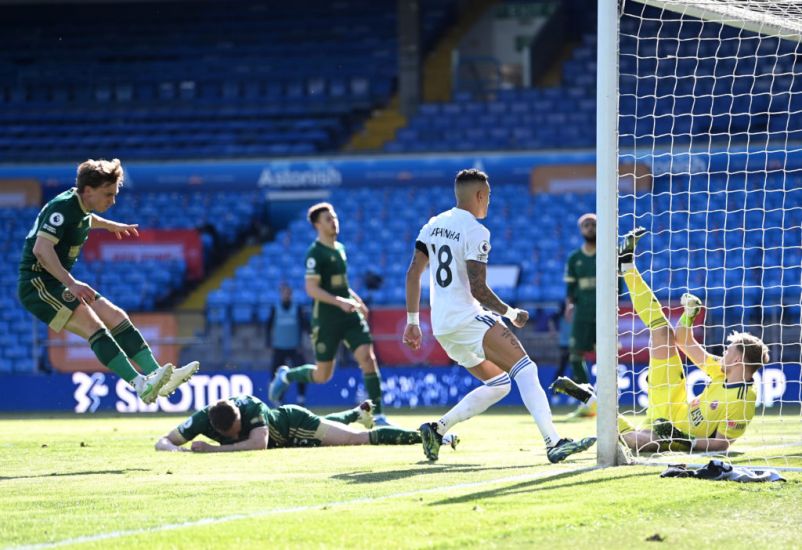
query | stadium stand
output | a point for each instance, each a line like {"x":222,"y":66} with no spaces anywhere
{"x":158,"y":81}
{"x":559,"y":117}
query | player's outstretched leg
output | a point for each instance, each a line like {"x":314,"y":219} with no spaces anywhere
{"x":284,"y":376}
{"x":362,"y":413}
{"x":495,"y":386}
{"x":503,"y":348}
{"x":180,"y":375}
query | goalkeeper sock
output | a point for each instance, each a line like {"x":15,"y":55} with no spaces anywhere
{"x":373,"y":387}
{"x":476,"y":402}
{"x":303,"y":373}
{"x":643,"y":299}
{"x":109,"y":353}
{"x":387,"y":435}
{"x":344,"y":417}
{"x":134,"y":346}
{"x":525,"y":375}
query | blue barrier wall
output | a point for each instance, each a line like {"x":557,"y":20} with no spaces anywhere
{"x":403,"y":387}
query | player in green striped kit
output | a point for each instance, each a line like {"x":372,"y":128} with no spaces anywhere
{"x":339,"y":315}
{"x":244,"y":423}
{"x":49,"y":291}
{"x":580,"y":277}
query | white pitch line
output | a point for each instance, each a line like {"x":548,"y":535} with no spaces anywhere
{"x":294,"y":509}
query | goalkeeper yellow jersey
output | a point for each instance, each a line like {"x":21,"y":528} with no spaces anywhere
{"x":722,"y":408}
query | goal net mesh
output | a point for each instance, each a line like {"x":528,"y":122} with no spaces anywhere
{"x":710,"y":164}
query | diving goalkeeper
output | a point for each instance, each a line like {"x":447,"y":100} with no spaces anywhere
{"x":712,"y":421}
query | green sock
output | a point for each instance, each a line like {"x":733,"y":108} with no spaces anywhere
{"x":344,"y":417}
{"x":110,"y":354}
{"x":387,"y":435}
{"x":580,"y":368}
{"x":373,"y":387}
{"x":134,"y":346}
{"x":301,"y":374}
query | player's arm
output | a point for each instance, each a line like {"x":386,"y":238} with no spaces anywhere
{"x":420,"y":260}
{"x":257,"y":441}
{"x":358,"y":299}
{"x":45,"y":252}
{"x":477,"y":277}
{"x":686,"y":341}
{"x":314,"y":291}
{"x":119,"y":229}
{"x":173,"y":442}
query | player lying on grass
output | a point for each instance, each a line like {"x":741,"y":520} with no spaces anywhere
{"x":49,"y":291}
{"x":245,"y":423}
{"x":716,"y":418}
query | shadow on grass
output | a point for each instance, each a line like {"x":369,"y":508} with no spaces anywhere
{"x":421,"y":468}
{"x":67,"y":474}
{"x":533,"y":486}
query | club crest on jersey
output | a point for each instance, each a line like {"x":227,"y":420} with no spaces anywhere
{"x":67,"y":296}
{"x":714,"y":405}
{"x":56,"y":219}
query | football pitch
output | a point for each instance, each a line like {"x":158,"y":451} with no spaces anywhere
{"x":96,"y":482}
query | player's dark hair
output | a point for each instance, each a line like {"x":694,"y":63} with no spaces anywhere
{"x":99,"y":173}
{"x":754,"y":352}
{"x":471,"y":175}
{"x":222,"y":415}
{"x":316,"y":210}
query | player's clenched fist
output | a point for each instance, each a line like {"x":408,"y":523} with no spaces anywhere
{"x":413,"y":336}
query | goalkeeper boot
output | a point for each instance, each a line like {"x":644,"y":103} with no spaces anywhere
{"x":626,"y":250}
{"x":147,"y":387}
{"x":431,"y":440}
{"x":451,"y":440}
{"x":365,"y":411}
{"x":279,"y":385}
{"x":179,"y":376}
{"x":566,"y":386}
{"x":566,"y":447}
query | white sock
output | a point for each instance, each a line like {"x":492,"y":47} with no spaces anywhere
{"x":138,"y":382}
{"x":525,"y":375}
{"x":476,"y":402}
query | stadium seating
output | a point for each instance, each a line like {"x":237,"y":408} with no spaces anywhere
{"x":738,"y":106}
{"x":163,"y":81}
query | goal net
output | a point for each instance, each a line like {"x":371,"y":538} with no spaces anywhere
{"x":710,"y":164}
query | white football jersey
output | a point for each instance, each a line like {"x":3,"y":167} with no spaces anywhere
{"x":452,"y":238}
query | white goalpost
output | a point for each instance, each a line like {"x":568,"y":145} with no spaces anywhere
{"x":699,"y":141}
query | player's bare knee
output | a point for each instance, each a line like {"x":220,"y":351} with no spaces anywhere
{"x":321,"y":376}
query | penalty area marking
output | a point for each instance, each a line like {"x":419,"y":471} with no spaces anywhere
{"x":296,"y":509}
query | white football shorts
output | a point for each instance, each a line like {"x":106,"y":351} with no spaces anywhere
{"x":465,"y":345}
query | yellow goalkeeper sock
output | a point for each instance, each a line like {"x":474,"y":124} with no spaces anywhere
{"x":643,"y":299}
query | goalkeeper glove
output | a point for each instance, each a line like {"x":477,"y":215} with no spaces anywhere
{"x":692,"y":306}
{"x":675,"y":439}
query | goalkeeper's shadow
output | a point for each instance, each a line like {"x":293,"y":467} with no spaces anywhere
{"x":422,"y":468}
{"x":534,"y":485}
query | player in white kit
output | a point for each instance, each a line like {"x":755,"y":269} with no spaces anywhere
{"x":456,"y":246}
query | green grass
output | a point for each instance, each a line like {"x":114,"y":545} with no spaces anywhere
{"x":68,"y":477}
